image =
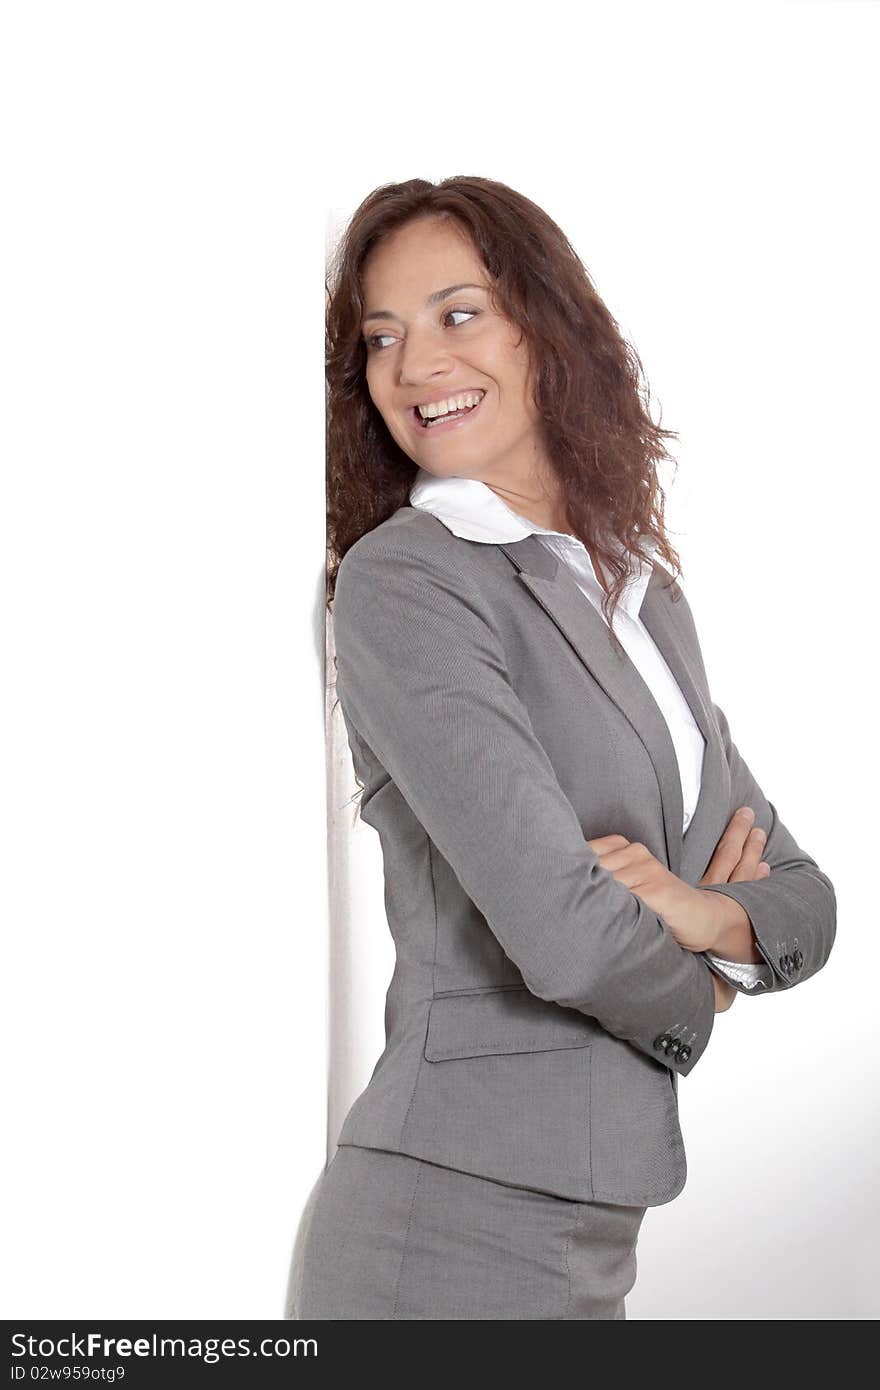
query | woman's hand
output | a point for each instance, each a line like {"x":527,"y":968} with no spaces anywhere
{"x":693,"y":917}
{"x":738,"y":853}
{"x":696,"y":919}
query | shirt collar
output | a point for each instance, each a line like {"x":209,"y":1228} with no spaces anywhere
{"x":470,"y":509}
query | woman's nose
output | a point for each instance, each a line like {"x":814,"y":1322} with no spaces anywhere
{"x":422,"y":357}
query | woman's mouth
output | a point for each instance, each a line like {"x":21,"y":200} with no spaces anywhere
{"x":441,"y":423}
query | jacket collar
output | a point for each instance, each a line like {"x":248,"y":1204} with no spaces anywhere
{"x":471,"y":510}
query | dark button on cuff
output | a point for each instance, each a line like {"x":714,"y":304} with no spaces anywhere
{"x":662,"y":1042}
{"x":683,"y":1053}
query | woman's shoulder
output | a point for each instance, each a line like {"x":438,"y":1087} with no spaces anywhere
{"x":407,"y":565}
{"x":410,"y":534}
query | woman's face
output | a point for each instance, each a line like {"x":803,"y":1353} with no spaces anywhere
{"x":421,"y":351}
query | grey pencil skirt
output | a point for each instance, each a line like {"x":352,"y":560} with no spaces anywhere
{"x":387,"y":1236}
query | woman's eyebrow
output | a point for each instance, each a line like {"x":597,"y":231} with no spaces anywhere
{"x":434,"y":298}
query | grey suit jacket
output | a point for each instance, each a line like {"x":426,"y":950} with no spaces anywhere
{"x":539,"y":1014}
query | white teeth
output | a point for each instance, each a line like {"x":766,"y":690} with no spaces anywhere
{"x":429,"y":412}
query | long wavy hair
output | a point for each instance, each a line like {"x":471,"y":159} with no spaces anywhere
{"x":590,"y":389}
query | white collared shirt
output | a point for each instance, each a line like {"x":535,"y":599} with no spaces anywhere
{"x":470,"y":509}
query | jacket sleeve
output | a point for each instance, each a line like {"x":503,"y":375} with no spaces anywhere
{"x":794,"y":910}
{"x":422,"y":680}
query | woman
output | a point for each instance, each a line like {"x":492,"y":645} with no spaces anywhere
{"x":580,"y":869}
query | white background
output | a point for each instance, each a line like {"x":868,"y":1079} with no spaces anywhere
{"x":184,"y":1022}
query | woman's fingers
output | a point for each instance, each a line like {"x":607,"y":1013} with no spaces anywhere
{"x":747,"y":868}
{"x":737,"y":856}
{"x":619,"y":857}
{"x":738,"y":839}
{"x":604,"y":843}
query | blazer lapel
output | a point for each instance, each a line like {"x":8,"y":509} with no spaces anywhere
{"x":669,"y":630}
{"x":554,"y":587}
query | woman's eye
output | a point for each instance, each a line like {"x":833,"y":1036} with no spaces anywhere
{"x":472,"y":312}
{"x":374,"y":339}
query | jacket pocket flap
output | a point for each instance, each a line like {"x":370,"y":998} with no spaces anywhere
{"x":480,"y":1023}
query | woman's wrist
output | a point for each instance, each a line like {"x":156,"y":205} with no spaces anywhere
{"x":734,"y":936}
{"x":725,"y":994}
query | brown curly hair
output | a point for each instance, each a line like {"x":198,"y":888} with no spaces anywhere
{"x":599,"y":437}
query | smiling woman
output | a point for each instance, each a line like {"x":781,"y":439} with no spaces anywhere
{"x":572,"y":886}
{"x":467,"y":286}
{"x":448,"y":370}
